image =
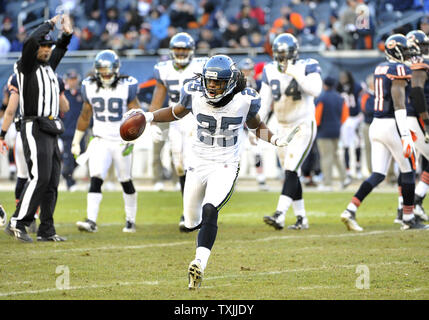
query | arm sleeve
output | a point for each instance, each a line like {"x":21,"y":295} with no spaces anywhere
{"x":61,"y":84}
{"x":132,"y":89}
{"x":255,"y":105}
{"x":13,"y":85}
{"x":31,"y":45}
{"x":84,"y":95}
{"x":60,"y":50}
{"x":266,"y":100}
{"x":185,"y":99}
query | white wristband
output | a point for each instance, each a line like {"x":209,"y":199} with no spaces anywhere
{"x":149,"y":117}
{"x":401,"y":122}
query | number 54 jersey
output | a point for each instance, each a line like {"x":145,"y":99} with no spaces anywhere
{"x":108,"y":105}
{"x":291,"y":104}
{"x":219,"y":129}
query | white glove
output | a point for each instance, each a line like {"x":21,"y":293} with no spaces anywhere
{"x":132,"y":111}
{"x":279,"y":141}
{"x":156,"y":133}
{"x":75,"y":149}
{"x":408,"y":147}
{"x":294,"y":70}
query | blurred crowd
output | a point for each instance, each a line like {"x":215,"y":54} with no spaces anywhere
{"x":149,"y":24}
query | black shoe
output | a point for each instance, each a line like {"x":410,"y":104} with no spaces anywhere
{"x":55,"y":238}
{"x":301,"y":223}
{"x":3,"y":216}
{"x":130,"y":227}
{"x":414,"y":224}
{"x":276,"y":220}
{"x":18,"y":234}
{"x":398,"y":219}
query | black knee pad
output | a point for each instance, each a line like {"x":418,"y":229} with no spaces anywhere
{"x":209,"y":215}
{"x":290,"y":184}
{"x":375,"y":179}
{"x":128,"y":187}
{"x":95,"y":185}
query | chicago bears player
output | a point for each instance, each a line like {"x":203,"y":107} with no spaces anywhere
{"x":171,"y":75}
{"x":220,"y":104}
{"x":419,"y":95}
{"x":292,"y":84}
{"x":107,"y":96}
{"x":390,"y":133}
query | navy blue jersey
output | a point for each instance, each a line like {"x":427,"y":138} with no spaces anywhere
{"x":384,"y":74}
{"x":421,"y":64}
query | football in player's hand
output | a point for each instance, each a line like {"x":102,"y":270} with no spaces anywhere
{"x":133,"y":125}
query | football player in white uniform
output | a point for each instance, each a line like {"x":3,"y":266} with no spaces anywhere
{"x":221,"y":104}
{"x":292,"y":85}
{"x":107,"y":96}
{"x":171,"y":75}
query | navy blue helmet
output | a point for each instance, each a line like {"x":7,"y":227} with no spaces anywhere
{"x":224,"y":72}
{"x":285,"y":48}
{"x":182,"y":41}
{"x":397,"y":48}
{"x":246,"y":64}
{"x":419,"y":42}
{"x":107,"y":66}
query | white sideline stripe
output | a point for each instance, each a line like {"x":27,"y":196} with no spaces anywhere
{"x":155,"y":245}
{"x":94,"y":286}
{"x":246,"y":274}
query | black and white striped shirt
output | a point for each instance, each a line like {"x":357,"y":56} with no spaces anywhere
{"x":38,"y":85}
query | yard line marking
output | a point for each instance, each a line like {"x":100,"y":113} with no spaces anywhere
{"x":94,"y":286}
{"x":155,"y":245}
{"x":235,"y":275}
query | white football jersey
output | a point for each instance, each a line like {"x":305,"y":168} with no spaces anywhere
{"x":108,"y":105}
{"x":291,"y":103}
{"x":219,"y":130}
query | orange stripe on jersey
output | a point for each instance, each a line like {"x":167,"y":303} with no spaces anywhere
{"x":363,"y":101}
{"x":149,"y":83}
{"x":346,"y":112}
{"x":413,"y":161}
{"x":419,"y":66}
{"x":319,"y":113}
{"x":425,"y":177}
{"x":422,"y":124}
{"x":395,"y":77}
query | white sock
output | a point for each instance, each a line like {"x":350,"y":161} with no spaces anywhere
{"x":352,"y":207}
{"x":421,"y":189}
{"x":130,"y":201}
{"x":93,"y":200}
{"x":400,"y":202}
{"x":284,"y":203}
{"x":203,"y":255}
{"x":298,"y":207}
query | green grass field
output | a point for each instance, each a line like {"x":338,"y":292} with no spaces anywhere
{"x":249,"y":260}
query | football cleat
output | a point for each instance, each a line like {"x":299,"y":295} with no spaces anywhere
{"x":55,"y":238}
{"x":398,"y":219}
{"x":3,"y":216}
{"x":414,"y":224}
{"x":349,"y":219}
{"x":300,"y":224}
{"x":129,"y":227}
{"x":195,"y":275}
{"x":419,"y":210}
{"x":18,"y":234}
{"x":277,"y":220}
{"x":87,"y":225}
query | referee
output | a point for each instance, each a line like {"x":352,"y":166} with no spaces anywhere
{"x":39,"y":106}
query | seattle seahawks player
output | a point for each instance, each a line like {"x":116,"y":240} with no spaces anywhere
{"x":419,"y":95}
{"x":171,"y":75}
{"x":220,"y":104}
{"x":390,"y":133}
{"x":107,"y":96}
{"x":291,"y":84}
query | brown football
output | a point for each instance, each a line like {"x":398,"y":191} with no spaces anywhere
{"x":133,"y":126}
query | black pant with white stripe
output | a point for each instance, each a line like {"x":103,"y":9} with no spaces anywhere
{"x":44,"y":166}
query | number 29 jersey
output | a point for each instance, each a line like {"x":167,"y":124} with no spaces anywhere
{"x":108,"y":105}
{"x":219,"y":129}
{"x":385,"y":73}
